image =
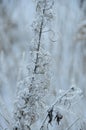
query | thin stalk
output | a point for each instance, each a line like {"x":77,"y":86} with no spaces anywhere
{"x":39,"y":42}
{"x":72,"y":123}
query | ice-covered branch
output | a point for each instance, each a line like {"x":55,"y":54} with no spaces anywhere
{"x":28,"y":102}
{"x":65,"y":100}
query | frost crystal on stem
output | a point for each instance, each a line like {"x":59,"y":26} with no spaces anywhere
{"x":29,"y":97}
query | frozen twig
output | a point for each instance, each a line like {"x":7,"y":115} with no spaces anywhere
{"x":39,"y":42}
{"x":66,"y":95}
{"x":59,"y":98}
{"x":73,"y":123}
{"x":43,"y":123}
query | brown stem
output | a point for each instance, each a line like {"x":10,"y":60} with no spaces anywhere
{"x":38,"y":47}
{"x":39,"y":42}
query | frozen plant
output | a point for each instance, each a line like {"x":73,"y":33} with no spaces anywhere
{"x":61,"y":108}
{"x":35,"y":85}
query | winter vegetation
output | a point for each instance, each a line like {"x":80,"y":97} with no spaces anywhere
{"x":42,"y":65}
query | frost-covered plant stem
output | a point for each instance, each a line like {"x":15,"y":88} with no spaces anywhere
{"x":28,"y":103}
{"x":40,"y":34}
{"x":67,"y":98}
{"x":39,"y":40}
